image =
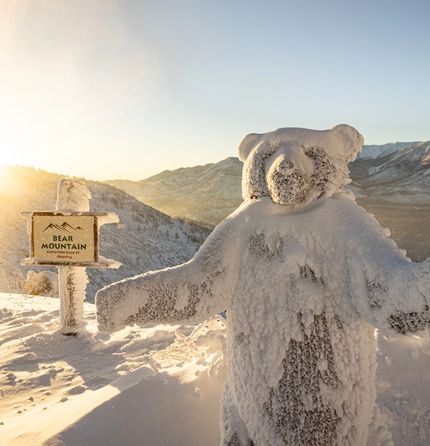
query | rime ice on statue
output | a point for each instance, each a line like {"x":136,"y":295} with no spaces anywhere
{"x":305,"y":275}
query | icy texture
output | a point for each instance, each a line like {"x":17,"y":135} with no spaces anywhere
{"x":191,"y":292}
{"x":73,"y":196}
{"x":304,"y":287}
{"x":90,"y":389}
{"x":294,"y":166}
{"x":41,"y":283}
{"x":209,"y":193}
{"x":72,"y":280}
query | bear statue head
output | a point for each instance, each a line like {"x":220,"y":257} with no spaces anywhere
{"x":295,"y":166}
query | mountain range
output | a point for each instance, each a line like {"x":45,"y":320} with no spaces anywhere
{"x":145,"y":239}
{"x":395,"y":172}
{"x":205,"y":194}
{"x":392,"y":181}
{"x":375,"y":150}
{"x":392,"y":185}
{"x":402,"y":176}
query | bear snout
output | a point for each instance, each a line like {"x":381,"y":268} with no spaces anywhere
{"x":287,"y":184}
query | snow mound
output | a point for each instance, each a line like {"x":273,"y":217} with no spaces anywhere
{"x":155,"y":386}
{"x":41,"y":283}
{"x":161,"y":384}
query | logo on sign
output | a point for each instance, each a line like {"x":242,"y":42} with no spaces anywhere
{"x":61,"y":238}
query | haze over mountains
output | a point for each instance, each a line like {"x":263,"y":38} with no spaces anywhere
{"x":145,"y":239}
{"x":374,"y":150}
{"x":205,"y":194}
{"x":394,"y":185}
{"x":402,"y":176}
{"x":392,"y":181}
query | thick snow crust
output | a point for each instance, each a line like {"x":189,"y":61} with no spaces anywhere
{"x":305,"y":275}
{"x":72,"y":281}
{"x":295,"y":166}
{"x":155,"y":386}
{"x":73,"y":196}
{"x":159,"y":385}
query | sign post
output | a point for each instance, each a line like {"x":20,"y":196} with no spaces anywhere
{"x":68,"y":238}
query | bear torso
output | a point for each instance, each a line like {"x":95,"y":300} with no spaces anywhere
{"x":301,"y":361}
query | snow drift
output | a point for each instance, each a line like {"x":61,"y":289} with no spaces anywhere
{"x":159,"y":385}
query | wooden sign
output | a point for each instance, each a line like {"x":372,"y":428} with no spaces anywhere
{"x":68,"y":238}
{"x":64,"y":239}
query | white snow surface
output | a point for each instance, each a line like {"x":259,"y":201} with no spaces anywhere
{"x":73,"y":196}
{"x":153,"y":386}
{"x":304,"y":286}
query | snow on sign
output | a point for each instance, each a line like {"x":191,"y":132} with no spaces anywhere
{"x":68,"y":238}
{"x":57,"y":238}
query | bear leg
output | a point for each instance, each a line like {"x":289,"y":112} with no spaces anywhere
{"x":233,"y":429}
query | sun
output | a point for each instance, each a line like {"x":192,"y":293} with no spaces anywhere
{"x":4,"y":176}
{"x":9,"y":182}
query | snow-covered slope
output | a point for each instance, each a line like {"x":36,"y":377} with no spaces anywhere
{"x":375,"y":150}
{"x":154,"y":386}
{"x":397,"y":172}
{"x":203,"y":193}
{"x":402,"y":176}
{"x":394,"y":187}
{"x":144,"y":239}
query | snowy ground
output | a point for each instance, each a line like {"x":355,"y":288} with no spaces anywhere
{"x":154,"y":386}
{"x":158,"y":386}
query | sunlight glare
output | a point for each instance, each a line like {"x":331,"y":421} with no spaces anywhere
{"x":9,"y":183}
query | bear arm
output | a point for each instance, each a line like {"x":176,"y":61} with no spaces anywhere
{"x":188,"y":293}
{"x":414,"y":317}
{"x":405,"y":323}
{"x":389,"y":291}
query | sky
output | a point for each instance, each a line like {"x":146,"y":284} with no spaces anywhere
{"x":109,"y":89}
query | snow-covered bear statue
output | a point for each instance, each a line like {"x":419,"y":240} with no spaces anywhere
{"x":305,"y":275}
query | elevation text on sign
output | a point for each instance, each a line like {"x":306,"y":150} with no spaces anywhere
{"x":59,"y":238}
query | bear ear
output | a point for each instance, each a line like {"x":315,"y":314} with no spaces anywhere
{"x":247,"y":145}
{"x":350,"y":140}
